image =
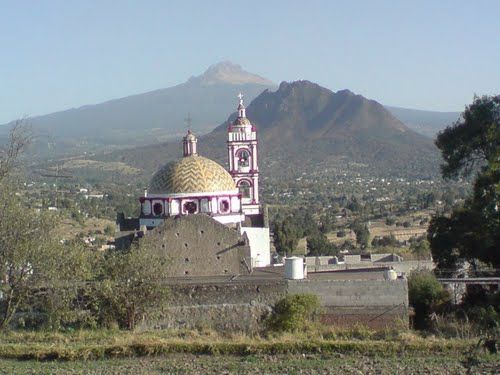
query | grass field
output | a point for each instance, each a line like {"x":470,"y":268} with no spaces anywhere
{"x":331,"y":363}
{"x":193,"y":352}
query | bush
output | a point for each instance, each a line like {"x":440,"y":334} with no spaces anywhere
{"x":426,"y":295}
{"x":294,"y":312}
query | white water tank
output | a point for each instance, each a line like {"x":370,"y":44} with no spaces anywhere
{"x":294,"y":268}
{"x":390,"y":274}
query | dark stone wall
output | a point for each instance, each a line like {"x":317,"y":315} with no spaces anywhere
{"x":197,"y":245}
{"x":243,"y":305}
{"x":223,"y":306}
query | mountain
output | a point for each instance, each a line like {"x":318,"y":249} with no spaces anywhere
{"x":428,"y":123}
{"x":160,"y":115}
{"x":303,"y":127}
{"x":149,"y":117}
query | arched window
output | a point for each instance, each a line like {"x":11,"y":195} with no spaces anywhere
{"x":190,"y":207}
{"x":243,"y":158}
{"x":146,"y":207}
{"x":158,"y":209}
{"x":245,"y":189}
{"x":224,"y":206}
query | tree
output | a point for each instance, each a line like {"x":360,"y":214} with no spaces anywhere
{"x":327,"y":221}
{"x":425,"y":294}
{"x":286,"y":235}
{"x":385,"y":241}
{"x":362,"y":233}
{"x":318,"y":244}
{"x":472,"y":145}
{"x":18,"y":139}
{"x":129,"y":284}
{"x":420,"y":248}
{"x":32,"y":260}
{"x":294,"y":312}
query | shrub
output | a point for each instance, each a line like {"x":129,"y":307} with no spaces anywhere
{"x":294,"y":312}
{"x":426,"y":295}
{"x":390,"y":221}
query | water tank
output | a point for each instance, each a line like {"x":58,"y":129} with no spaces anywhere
{"x":390,"y":274}
{"x":294,"y":268}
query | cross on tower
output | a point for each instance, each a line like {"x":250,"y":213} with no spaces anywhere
{"x":240,"y":96}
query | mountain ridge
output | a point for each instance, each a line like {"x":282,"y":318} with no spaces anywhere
{"x":160,"y":115}
{"x":302,"y":125}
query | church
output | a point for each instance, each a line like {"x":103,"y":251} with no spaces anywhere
{"x":207,"y":220}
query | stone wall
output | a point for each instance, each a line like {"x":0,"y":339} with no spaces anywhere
{"x":220,"y":306}
{"x":197,"y":245}
{"x":242,"y":306}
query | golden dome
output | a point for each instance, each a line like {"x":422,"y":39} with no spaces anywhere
{"x":191,"y":174}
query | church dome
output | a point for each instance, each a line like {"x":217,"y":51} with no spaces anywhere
{"x":191,"y":174}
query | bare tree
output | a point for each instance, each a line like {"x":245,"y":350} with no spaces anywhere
{"x":19,"y":138}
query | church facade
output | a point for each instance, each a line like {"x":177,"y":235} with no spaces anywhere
{"x":195,"y":185}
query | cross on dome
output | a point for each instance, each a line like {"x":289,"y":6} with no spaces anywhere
{"x":241,"y":107}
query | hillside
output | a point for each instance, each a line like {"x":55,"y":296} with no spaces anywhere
{"x":159,"y":115}
{"x":428,"y":123}
{"x":305,"y":127}
{"x":148,"y":117}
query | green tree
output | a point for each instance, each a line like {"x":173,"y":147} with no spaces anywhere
{"x":129,"y":285}
{"x":420,"y":248}
{"x":471,"y":145}
{"x":18,"y":140}
{"x":318,"y":244}
{"x":286,"y":235}
{"x":362,"y":233}
{"x":294,"y":312}
{"x":327,"y":221}
{"x":32,"y":260}
{"x":426,"y":295}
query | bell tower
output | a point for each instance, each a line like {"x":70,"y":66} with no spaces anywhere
{"x":242,"y":154}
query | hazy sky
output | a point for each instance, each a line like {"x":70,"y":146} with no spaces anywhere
{"x":433,"y":55}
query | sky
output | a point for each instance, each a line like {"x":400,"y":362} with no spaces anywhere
{"x":60,"y":54}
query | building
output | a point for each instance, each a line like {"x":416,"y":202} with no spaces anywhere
{"x":195,"y":185}
{"x":211,"y":225}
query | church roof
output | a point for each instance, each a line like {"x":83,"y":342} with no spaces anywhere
{"x":191,"y":174}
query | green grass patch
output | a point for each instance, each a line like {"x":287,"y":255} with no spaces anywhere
{"x":92,"y":345}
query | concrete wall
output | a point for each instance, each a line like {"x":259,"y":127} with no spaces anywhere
{"x":352,"y":259}
{"x":197,"y":245}
{"x":260,"y":245}
{"x":374,"y":303}
{"x":404,"y":267}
